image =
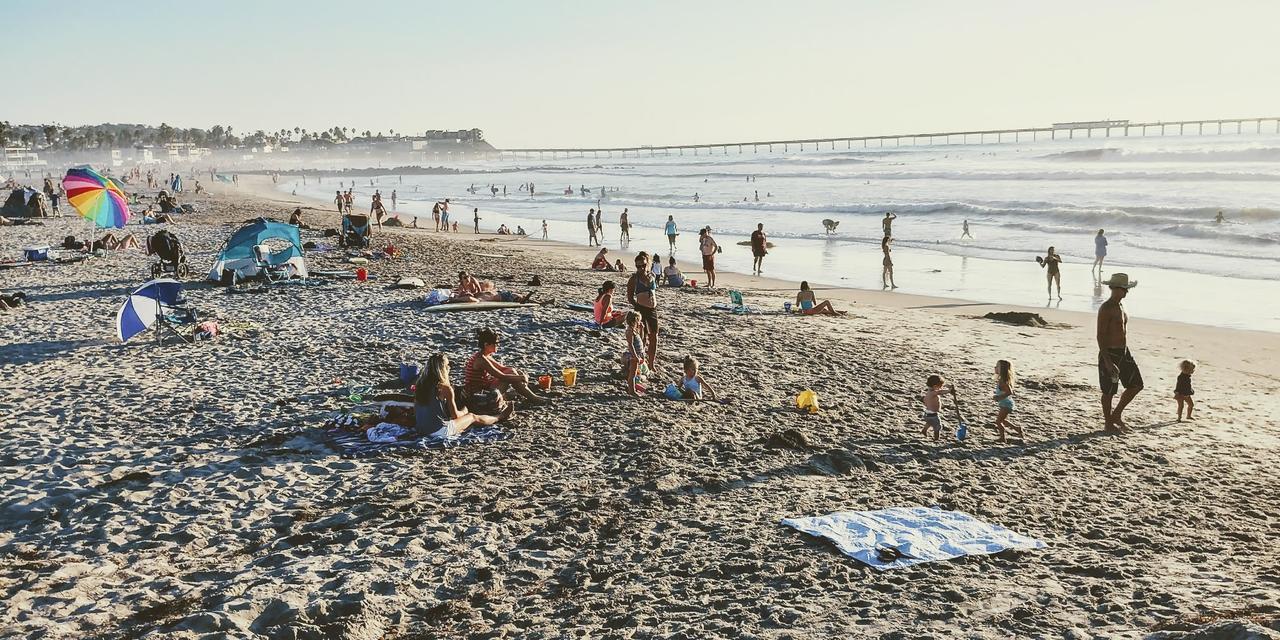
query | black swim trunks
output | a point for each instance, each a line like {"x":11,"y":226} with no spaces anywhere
{"x":1129,"y":375}
{"x":650,"y":317}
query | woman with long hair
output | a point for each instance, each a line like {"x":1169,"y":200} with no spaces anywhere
{"x":435,"y":407}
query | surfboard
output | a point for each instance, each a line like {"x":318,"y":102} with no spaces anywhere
{"x":477,"y":306}
{"x":578,"y":306}
{"x":489,"y":255}
{"x":747,"y":243}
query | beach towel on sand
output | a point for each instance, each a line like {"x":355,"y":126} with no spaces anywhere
{"x":922,"y":534}
{"x":355,"y":444}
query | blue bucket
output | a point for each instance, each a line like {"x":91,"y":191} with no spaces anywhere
{"x":408,"y":373}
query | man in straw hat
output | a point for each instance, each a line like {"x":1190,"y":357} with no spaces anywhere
{"x":1116,"y":366}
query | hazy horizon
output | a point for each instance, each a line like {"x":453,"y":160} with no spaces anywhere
{"x":662,"y":73}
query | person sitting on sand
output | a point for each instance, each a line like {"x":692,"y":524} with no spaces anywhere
{"x":1003,"y":397}
{"x":435,"y":409}
{"x":484,"y":375}
{"x":672,"y":274}
{"x":618,"y":266}
{"x":633,"y":367}
{"x":468,"y":285}
{"x":932,"y":399}
{"x":601,"y":261}
{"x":17,"y":299}
{"x":692,"y":386}
{"x":809,"y":304}
{"x":148,"y":217}
{"x":605,"y":315}
{"x":295,"y":218}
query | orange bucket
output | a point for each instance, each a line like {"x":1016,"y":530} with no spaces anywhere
{"x":544,"y":382}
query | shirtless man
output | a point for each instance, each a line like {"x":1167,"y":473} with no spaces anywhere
{"x":623,"y":222}
{"x":1116,"y":366}
{"x":887,"y":223}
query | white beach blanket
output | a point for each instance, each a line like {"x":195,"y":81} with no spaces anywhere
{"x":925,"y":534}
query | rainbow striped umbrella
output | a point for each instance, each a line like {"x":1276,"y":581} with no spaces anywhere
{"x":96,"y":197}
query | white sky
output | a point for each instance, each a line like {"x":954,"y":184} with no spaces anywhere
{"x":648,"y":72}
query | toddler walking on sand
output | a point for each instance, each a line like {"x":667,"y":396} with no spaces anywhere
{"x":1183,"y":392}
{"x":932,"y":398}
{"x":1003,"y":397}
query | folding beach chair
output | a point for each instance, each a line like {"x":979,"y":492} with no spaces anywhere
{"x":355,"y":231}
{"x":270,"y":272}
{"x":738,"y":303}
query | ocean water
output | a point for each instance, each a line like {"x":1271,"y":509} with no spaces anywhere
{"x":1155,"y":197}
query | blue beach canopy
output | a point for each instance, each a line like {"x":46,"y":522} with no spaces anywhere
{"x":238,"y":252}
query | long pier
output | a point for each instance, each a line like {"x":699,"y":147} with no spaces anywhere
{"x":1065,"y":131}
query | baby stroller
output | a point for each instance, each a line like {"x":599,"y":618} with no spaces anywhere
{"x":355,"y":231}
{"x":173,"y":259}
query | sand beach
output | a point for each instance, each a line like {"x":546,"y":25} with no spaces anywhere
{"x":189,"y":491}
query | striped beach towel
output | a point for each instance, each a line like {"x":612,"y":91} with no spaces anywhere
{"x":349,"y":444}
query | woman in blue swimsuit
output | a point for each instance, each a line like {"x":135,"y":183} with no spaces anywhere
{"x":809,"y":305}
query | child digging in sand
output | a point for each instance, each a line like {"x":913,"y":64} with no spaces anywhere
{"x":633,"y":357}
{"x":691,"y":385}
{"x":1183,"y":392}
{"x":932,"y":399}
{"x":1004,"y":398}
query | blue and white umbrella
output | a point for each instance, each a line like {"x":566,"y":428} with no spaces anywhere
{"x":146,"y":304}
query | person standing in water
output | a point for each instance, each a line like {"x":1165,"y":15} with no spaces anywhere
{"x":886,"y":276}
{"x":625,"y":235}
{"x":393,"y":201}
{"x":544,"y":229}
{"x":1220,"y":218}
{"x":759,"y":248}
{"x":600,"y":223}
{"x":591,"y":228}
{"x":476,"y":215}
{"x":965,"y":233}
{"x":1116,"y":365}
{"x":1099,"y":252}
{"x":1051,"y":261}
{"x":887,"y":223}
{"x":670,"y":230}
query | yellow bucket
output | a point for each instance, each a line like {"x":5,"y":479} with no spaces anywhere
{"x":807,"y":399}
{"x":570,"y":376}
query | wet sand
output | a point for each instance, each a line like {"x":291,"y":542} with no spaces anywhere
{"x":187,"y":492}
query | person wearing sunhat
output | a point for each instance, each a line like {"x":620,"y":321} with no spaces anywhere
{"x":1116,"y":366}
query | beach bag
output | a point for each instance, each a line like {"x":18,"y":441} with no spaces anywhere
{"x":438,"y":296}
{"x":807,"y":400}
